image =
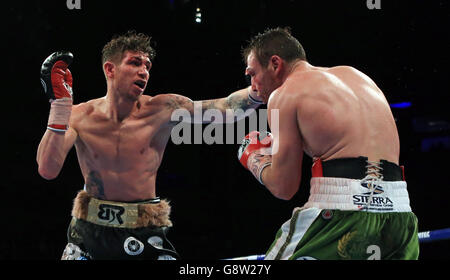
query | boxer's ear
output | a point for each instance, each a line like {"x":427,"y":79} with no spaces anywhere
{"x":275,"y":63}
{"x":109,"y":69}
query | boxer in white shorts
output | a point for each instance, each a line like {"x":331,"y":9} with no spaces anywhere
{"x":337,"y":116}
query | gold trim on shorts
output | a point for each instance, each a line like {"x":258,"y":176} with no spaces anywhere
{"x":120,"y":214}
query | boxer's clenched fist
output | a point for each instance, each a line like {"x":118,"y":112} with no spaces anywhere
{"x":55,"y":75}
{"x":57,"y":82}
{"x":254,"y":153}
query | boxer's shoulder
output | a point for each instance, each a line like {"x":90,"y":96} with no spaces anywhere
{"x":294,"y":89}
{"x":305,"y":89}
{"x":154,"y":100}
{"x":321,"y":83}
{"x":161,"y":104}
{"x":84,"y":110}
{"x":344,"y":69}
{"x":168,"y":101}
{"x":88,"y":107}
{"x":351,"y":75}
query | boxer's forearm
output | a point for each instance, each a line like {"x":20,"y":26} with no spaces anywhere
{"x":237,"y":105}
{"x":54,"y":146}
{"x":240,"y":100}
{"x":51,"y":154}
{"x":280,"y":185}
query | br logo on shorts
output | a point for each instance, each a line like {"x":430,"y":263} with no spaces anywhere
{"x":112,"y":214}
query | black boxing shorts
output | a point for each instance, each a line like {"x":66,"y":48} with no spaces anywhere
{"x":103,"y":229}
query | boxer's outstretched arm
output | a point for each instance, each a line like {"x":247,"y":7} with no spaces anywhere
{"x":237,"y":105}
{"x":238,"y":102}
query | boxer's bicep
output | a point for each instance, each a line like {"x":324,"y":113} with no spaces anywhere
{"x":175,"y":108}
{"x":178,"y":102}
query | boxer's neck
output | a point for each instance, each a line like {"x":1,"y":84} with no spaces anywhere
{"x":299,"y":65}
{"x":119,"y":107}
{"x":290,"y":68}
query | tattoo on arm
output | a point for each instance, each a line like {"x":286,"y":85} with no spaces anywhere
{"x":257,"y":163}
{"x":234,"y":102}
{"x":210,"y":104}
{"x":239,"y":102}
{"x":177,"y":102}
{"x":94,"y":185}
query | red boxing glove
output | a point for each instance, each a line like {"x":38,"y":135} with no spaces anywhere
{"x":55,"y":75}
{"x":57,"y":82}
{"x":253,"y":146}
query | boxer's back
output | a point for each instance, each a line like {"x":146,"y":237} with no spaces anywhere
{"x":342,"y":113}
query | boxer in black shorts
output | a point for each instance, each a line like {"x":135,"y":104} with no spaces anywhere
{"x":116,"y":230}
{"x":120,"y":140}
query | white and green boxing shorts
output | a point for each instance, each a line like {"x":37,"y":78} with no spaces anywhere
{"x":355,"y":212}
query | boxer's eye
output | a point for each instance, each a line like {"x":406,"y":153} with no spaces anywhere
{"x":248,"y":78}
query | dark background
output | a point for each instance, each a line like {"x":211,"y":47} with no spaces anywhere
{"x":218,"y":209}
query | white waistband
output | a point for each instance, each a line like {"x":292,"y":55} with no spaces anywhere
{"x":355,"y":195}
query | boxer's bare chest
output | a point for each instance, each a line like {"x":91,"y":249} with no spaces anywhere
{"x":119,"y":145}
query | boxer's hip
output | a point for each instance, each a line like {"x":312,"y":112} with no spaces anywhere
{"x":345,"y":184}
{"x":358,"y":195}
{"x":102,"y":229}
{"x":356,"y":168}
{"x":356,"y":210}
{"x":155,"y":212}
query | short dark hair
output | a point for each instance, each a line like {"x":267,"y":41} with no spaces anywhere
{"x":130,"y":41}
{"x":275,"y":41}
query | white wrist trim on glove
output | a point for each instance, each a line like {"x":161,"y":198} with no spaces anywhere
{"x":261,"y":168}
{"x":60,"y":111}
